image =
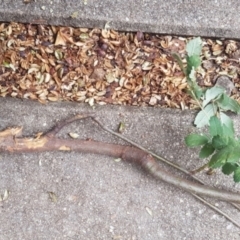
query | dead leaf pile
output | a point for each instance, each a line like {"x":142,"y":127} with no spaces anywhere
{"x":48,"y":63}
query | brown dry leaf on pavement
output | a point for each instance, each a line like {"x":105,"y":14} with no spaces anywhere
{"x":49,"y":63}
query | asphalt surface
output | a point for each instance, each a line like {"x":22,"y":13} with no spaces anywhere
{"x":56,"y":195}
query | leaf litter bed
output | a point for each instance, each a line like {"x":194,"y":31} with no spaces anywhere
{"x":101,"y":66}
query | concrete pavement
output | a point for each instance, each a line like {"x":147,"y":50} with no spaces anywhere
{"x":213,"y":18}
{"x":59,"y":195}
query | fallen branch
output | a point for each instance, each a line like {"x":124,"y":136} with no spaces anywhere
{"x":11,"y":141}
{"x":164,"y":160}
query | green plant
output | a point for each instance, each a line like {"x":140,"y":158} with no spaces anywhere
{"x":219,"y":144}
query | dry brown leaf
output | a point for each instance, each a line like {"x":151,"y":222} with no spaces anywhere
{"x":51,"y":63}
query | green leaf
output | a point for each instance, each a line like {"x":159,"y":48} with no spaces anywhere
{"x":193,"y":61}
{"x":233,"y":142}
{"x":226,"y":103}
{"x":219,"y":142}
{"x":191,"y":76}
{"x":203,"y":117}
{"x":228,"y":168}
{"x":228,"y":129}
{"x":194,"y":47}
{"x":215,"y":126}
{"x":206,"y":150}
{"x":236,"y":175}
{"x":180,"y":63}
{"x":212,"y":93}
{"x":198,"y":92}
{"x":219,"y":158}
{"x":222,"y":130}
{"x":234,"y":155}
{"x":193,"y":140}
{"x":195,"y":91}
{"x":227,"y":132}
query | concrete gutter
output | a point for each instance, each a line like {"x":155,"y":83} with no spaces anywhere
{"x":186,"y":17}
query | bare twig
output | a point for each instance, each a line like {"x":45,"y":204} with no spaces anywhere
{"x":61,"y":124}
{"x":216,"y":209}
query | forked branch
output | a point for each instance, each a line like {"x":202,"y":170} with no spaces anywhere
{"x":11,"y":141}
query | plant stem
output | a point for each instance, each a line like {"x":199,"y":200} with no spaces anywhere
{"x":199,"y":169}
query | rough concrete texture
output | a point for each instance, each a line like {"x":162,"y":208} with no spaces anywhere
{"x":97,"y":197}
{"x":215,"y":18}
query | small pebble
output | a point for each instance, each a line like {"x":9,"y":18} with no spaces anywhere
{"x":225,"y":82}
